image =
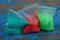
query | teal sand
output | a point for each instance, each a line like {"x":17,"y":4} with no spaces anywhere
{"x":15,"y":22}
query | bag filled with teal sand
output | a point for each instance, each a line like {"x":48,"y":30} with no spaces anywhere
{"x":15,"y":23}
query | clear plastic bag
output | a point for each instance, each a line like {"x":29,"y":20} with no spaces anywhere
{"x":15,"y":21}
{"x":45,"y":15}
{"x":30,"y":10}
{"x":29,"y":14}
{"x":48,"y":10}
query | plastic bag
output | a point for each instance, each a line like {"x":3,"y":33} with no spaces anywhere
{"x":14,"y":21}
{"x":29,"y":14}
{"x":48,"y":10}
{"x":45,"y":15}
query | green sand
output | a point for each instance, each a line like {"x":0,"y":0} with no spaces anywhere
{"x":46,"y":22}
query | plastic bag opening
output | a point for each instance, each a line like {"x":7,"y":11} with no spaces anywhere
{"x":48,"y":10}
{"x":30,"y":10}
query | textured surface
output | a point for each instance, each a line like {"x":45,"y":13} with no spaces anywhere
{"x":19,"y":4}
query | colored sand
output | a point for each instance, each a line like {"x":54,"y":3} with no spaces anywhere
{"x":12,"y":30}
{"x":46,"y":22}
{"x":15,"y":22}
{"x":33,"y":26}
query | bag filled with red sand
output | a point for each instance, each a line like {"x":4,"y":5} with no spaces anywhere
{"x":29,"y":14}
{"x":33,"y":25}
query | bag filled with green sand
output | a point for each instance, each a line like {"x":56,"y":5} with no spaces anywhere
{"x":45,"y":15}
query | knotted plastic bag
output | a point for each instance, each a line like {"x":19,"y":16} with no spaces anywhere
{"x":45,"y":15}
{"x":15,"y":23}
{"x":29,"y":14}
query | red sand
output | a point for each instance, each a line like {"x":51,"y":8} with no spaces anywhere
{"x":33,"y":26}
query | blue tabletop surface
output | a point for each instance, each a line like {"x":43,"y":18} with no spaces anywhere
{"x":42,"y":35}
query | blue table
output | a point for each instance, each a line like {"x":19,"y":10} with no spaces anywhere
{"x":53,"y":35}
